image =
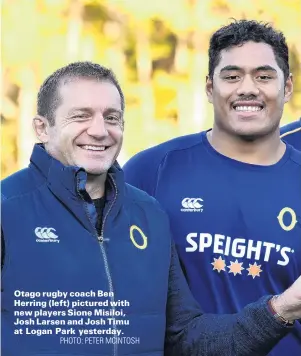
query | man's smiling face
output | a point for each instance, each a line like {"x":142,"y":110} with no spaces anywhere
{"x":88,"y":125}
{"x":248,"y":90}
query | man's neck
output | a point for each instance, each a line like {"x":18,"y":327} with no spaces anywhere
{"x":263,"y":151}
{"x":95,"y":185}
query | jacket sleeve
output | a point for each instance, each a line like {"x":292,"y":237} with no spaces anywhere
{"x":189,"y":332}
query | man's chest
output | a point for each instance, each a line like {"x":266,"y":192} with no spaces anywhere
{"x":234,"y":217}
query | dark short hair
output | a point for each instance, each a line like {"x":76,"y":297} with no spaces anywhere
{"x":239,"y":32}
{"x":48,"y":97}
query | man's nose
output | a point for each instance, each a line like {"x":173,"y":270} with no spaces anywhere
{"x":98,"y":127}
{"x":248,"y":86}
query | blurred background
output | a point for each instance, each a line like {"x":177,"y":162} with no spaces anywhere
{"x":158,"y":50}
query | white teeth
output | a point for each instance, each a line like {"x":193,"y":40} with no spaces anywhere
{"x":248,"y":108}
{"x":93,"y":148}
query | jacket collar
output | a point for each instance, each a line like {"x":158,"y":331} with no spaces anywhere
{"x":68,"y":183}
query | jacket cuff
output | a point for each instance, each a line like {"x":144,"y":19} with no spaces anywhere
{"x":271,"y":316}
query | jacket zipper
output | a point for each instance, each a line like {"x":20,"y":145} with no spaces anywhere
{"x":100,"y":239}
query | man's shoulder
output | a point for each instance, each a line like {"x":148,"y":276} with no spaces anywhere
{"x":291,"y":133}
{"x":296,"y":156}
{"x":291,"y":128}
{"x":142,"y":169}
{"x":158,"y":152}
{"x":18,"y":184}
{"x":140,"y":197}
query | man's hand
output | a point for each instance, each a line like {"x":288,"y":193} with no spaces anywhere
{"x":288,"y":304}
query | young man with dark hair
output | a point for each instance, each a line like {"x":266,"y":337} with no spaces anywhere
{"x":233,"y":193}
{"x":291,"y":134}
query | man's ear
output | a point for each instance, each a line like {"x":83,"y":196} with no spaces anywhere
{"x":289,"y":88}
{"x":209,"y":88}
{"x":41,"y":127}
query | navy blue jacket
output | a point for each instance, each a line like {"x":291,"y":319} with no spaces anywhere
{"x":291,"y":133}
{"x":51,"y":245}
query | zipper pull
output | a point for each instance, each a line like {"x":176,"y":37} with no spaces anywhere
{"x":100,"y":239}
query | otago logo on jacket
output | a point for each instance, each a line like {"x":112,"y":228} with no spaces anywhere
{"x":293,"y":222}
{"x":134,"y":237}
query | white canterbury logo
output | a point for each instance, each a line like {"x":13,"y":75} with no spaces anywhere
{"x":192,"y":205}
{"x":46,"y":234}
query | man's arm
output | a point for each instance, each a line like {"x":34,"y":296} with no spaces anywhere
{"x":252,"y":332}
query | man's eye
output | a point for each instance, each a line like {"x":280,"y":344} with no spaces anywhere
{"x":112,"y":118}
{"x":265,"y":77}
{"x":232,"y":77}
{"x":80,"y":116}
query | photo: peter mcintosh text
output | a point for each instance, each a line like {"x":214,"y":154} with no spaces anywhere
{"x":99,"y":340}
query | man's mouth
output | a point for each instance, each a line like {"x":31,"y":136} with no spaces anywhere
{"x":244,"y":107}
{"x":248,"y":108}
{"x":93,"y":148}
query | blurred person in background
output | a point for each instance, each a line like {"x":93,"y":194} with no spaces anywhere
{"x":233,"y":193}
{"x":291,"y":134}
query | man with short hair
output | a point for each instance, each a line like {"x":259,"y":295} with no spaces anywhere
{"x":80,"y":243}
{"x":291,"y":134}
{"x":233,"y":193}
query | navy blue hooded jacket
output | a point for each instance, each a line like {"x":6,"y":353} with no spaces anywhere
{"x":52,"y":248}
